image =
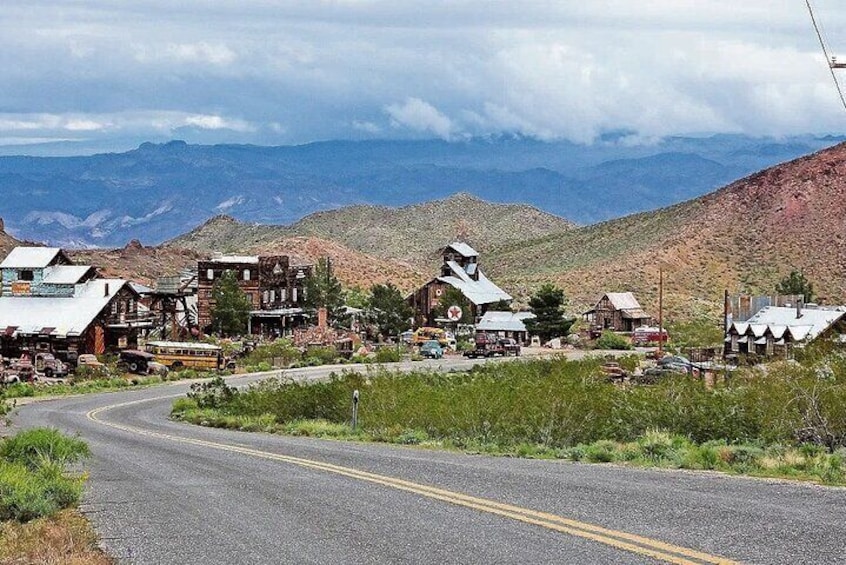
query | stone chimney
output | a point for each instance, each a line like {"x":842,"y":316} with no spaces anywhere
{"x":2,"y":226}
{"x":106,"y":290}
{"x":322,"y":318}
{"x":799,"y":307}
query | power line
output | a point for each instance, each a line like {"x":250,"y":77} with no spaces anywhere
{"x":829,"y":60}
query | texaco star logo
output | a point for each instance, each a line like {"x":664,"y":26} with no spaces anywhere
{"x":454,"y":313}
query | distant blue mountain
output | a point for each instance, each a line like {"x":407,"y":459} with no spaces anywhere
{"x":159,"y":191}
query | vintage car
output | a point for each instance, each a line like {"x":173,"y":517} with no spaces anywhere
{"x":46,"y":364}
{"x":135,"y":361}
{"x":432,"y":350}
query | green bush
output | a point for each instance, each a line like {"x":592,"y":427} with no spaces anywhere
{"x":551,"y":405}
{"x":33,"y":482}
{"x":323,"y":355}
{"x":388,"y":354}
{"x":279,"y":353}
{"x":212,"y":394}
{"x":33,"y":448}
{"x":603,"y":451}
{"x":611,"y":340}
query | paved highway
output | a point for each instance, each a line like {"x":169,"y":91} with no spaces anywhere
{"x":164,"y":492}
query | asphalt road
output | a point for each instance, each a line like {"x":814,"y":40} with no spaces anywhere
{"x":164,"y":492}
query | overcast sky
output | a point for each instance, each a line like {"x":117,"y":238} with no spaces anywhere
{"x":113,"y":73}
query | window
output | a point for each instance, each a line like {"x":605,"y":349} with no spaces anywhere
{"x":210,"y":274}
{"x":735,"y":345}
{"x":26,"y":275}
{"x":272,"y":296}
{"x":283,"y":294}
{"x":246,"y":274}
{"x":114,"y":307}
{"x":265,"y":297}
{"x":294,"y":294}
{"x":130,"y":306}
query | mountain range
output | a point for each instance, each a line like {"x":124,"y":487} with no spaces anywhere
{"x":743,"y":237}
{"x":157,"y":192}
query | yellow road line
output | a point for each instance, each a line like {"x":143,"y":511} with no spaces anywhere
{"x":640,"y":545}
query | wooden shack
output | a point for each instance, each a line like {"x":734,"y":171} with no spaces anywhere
{"x":619,"y":312}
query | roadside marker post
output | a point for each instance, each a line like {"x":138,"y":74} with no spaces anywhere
{"x":355,"y":409}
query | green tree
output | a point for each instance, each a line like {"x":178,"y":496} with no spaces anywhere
{"x":323,"y":290}
{"x":454,"y":297}
{"x":796,"y":283}
{"x":547,"y":305}
{"x":500,"y":306}
{"x":389,"y":310}
{"x":231,"y":309}
{"x":357,"y":297}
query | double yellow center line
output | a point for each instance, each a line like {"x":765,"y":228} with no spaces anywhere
{"x":620,"y":540}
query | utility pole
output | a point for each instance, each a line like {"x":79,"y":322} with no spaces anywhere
{"x":660,"y":313}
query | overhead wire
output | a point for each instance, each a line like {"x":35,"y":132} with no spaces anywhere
{"x":828,"y":59}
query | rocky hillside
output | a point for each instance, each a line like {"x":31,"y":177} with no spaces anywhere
{"x":146,"y":264}
{"x":415,"y":233}
{"x":7,"y":242}
{"x":411,"y":235}
{"x":744,"y":237}
{"x":137,"y":262}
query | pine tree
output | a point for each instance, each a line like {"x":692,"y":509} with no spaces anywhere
{"x":231,"y":310}
{"x":389,"y":310}
{"x":796,"y":283}
{"x":323,"y":290}
{"x":548,"y":307}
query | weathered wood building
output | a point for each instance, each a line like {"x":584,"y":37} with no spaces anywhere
{"x":49,"y":304}
{"x":274,"y":287}
{"x":776,"y":331}
{"x":619,"y":312}
{"x":460,"y":270}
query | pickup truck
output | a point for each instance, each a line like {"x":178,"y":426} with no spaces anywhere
{"x":509,"y":346}
{"x":489,"y":345}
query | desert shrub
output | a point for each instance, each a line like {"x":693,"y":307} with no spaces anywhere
{"x":33,"y":481}
{"x":323,"y":355}
{"x":611,"y":340}
{"x":602,"y":451}
{"x":388,"y":354}
{"x":36,"y":447}
{"x":19,"y":390}
{"x":26,"y":494}
{"x":279,"y":353}
{"x":89,"y":373}
{"x":212,"y":394}
{"x":556,"y":404}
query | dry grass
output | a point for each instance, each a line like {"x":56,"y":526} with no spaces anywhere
{"x":66,"y":538}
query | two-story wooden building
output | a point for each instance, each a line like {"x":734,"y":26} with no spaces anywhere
{"x":460,"y":270}
{"x":49,"y":304}
{"x":274,"y":286}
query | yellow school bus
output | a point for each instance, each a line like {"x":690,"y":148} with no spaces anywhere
{"x":422,"y":335}
{"x":177,"y":354}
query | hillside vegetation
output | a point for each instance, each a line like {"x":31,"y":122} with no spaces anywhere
{"x":743,"y":238}
{"x":409,"y":234}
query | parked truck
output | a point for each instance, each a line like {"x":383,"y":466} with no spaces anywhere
{"x":490,"y":345}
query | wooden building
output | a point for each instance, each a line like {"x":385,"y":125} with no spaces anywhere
{"x":460,"y":270}
{"x":776,"y":331}
{"x":619,"y":312}
{"x":48,"y":304}
{"x":274,"y":287}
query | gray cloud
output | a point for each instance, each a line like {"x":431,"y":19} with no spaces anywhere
{"x":289,"y":72}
